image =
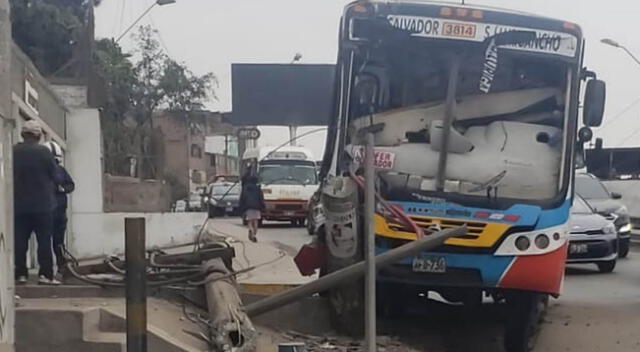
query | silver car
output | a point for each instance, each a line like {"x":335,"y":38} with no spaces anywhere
{"x":593,"y":238}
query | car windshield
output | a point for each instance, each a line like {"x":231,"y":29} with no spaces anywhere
{"x":580,"y":206}
{"x":287,"y":174}
{"x":509,"y":105}
{"x":591,"y":188}
{"x":228,"y":189}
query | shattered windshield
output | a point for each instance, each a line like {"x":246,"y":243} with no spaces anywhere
{"x":506,"y":139}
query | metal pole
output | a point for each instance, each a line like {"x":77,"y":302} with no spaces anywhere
{"x":370,"y":274}
{"x":631,"y":54}
{"x":293,"y":135}
{"x":136,"y":284}
{"x":446,"y":125}
{"x":352,"y":272}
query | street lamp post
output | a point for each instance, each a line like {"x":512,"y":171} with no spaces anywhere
{"x":293,"y":130}
{"x":615,"y":44}
{"x":157,"y":2}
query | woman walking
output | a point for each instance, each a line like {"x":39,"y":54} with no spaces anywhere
{"x":251,"y":204}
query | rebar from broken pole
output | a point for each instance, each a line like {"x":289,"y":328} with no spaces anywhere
{"x":356,"y":270}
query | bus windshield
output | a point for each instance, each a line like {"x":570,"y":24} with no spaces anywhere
{"x":287,"y":173}
{"x":507,"y":127}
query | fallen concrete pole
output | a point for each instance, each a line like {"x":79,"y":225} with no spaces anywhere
{"x":354,"y":271}
{"x":230,"y":327}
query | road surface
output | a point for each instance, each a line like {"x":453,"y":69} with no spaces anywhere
{"x":597,"y":312}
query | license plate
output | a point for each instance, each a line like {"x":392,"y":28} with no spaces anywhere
{"x":578,"y":248}
{"x":430,"y":264}
{"x":289,"y":213}
{"x":459,"y":30}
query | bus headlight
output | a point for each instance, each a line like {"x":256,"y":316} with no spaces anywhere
{"x":542,"y":241}
{"x":523,"y":243}
{"x":536,"y":242}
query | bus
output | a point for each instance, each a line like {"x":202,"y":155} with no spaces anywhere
{"x":475,"y":116}
{"x":288,"y":177}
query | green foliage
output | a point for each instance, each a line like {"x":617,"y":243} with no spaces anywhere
{"x":45,"y":32}
{"x":136,"y":91}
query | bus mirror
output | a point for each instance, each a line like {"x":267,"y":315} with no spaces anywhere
{"x":584,"y":135}
{"x":594,"y":100}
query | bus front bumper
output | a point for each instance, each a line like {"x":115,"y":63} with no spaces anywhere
{"x":537,"y":273}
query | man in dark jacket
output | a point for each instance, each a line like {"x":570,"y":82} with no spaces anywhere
{"x":63,"y":188}
{"x":251,"y":204}
{"x":34,"y":178}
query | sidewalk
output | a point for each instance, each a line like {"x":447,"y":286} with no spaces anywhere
{"x":275,"y":268}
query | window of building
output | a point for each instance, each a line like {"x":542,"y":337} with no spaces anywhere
{"x":196,"y":151}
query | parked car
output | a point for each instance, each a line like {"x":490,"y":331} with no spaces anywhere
{"x":223,"y":198}
{"x":607,"y":204}
{"x":592,"y":238}
{"x":194,"y":202}
{"x":180,"y":206}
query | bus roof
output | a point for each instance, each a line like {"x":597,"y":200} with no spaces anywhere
{"x":287,"y":152}
{"x":490,"y":12}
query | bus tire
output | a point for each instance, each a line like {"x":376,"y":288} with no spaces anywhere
{"x":525,"y":311}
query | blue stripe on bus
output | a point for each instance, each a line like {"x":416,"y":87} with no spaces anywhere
{"x":530,"y":215}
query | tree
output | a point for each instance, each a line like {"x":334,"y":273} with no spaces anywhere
{"x":49,"y":30}
{"x":136,"y":92}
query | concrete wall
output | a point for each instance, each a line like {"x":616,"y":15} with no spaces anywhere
{"x":128,"y":194}
{"x":50,"y":108}
{"x":6,"y":186}
{"x":103,"y":234}
{"x":92,"y":232}
{"x":84,"y":160}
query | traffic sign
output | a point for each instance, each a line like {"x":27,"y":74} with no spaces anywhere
{"x":248,"y":133}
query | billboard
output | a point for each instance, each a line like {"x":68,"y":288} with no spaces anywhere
{"x":611,"y":163}
{"x":282,"y":94}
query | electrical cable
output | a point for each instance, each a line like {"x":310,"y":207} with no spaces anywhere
{"x":620,"y":114}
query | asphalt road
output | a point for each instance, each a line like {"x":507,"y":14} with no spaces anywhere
{"x":597,"y":312}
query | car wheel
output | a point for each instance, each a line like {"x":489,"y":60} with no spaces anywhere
{"x":211,"y":212}
{"x":607,"y":267}
{"x":624,"y":249}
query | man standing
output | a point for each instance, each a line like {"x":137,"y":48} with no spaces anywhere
{"x":34,"y":175}
{"x":63,"y":188}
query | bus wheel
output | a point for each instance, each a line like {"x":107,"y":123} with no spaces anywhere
{"x":525,"y":311}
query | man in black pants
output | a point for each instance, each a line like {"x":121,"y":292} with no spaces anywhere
{"x":34,"y":178}
{"x":60,"y":212}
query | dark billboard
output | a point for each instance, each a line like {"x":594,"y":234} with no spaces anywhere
{"x":282,"y":94}
{"x":611,"y":163}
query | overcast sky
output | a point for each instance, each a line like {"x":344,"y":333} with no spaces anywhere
{"x":209,"y":35}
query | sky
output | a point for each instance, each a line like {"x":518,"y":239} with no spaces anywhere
{"x":209,"y":35}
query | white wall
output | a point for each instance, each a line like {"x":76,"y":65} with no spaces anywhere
{"x":84,"y":160}
{"x":103,"y":233}
{"x":92,"y":232}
